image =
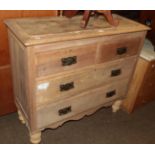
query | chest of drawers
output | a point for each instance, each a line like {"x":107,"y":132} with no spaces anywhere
{"x":62,"y":72}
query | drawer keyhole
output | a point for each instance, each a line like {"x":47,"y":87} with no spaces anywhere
{"x":116,"y":72}
{"x":64,"y":111}
{"x":67,"y":86}
{"x":69,"y":61}
{"x":121,"y":51}
{"x":111,"y":93}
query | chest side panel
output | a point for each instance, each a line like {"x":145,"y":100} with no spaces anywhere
{"x":18,"y":64}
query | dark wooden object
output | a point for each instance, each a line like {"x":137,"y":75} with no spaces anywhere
{"x":148,"y":17}
{"x":87,"y":14}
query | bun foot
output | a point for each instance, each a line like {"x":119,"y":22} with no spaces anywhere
{"x":116,"y":106}
{"x":35,"y":138}
{"x":21,"y":118}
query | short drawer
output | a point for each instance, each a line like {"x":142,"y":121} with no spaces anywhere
{"x":64,"y":59}
{"x":120,"y":47}
{"x":61,"y":87}
{"x":52,"y":113}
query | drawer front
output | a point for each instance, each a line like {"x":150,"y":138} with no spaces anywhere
{"x":58,"y":111}
{"x":118,"y":48}
{"x":71,"y":84}
{"x":115,"y":70}
{"x":65,"y":59}
{"x":63,"y":86}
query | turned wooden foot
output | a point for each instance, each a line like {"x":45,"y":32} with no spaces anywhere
{"x":21,"y":118}
{"x":35,"y":138}
{"x":116,"y":106}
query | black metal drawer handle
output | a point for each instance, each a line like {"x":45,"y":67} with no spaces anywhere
{"x":116,"y":72}
{"x":67,"y":86}
{"x":111,"y":94}
{"x":121,"y":51}
{"x":69,"y":61}
{"x":65,"y":111}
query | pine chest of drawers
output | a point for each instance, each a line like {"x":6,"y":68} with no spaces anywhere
{"x":62,"y":72}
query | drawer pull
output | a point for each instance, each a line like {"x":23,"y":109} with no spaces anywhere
{"x":64,"y":111}
{"x":121,"y":51}
{"x":111,"y":93}
{"x":67,"y":86}
{"x":116,"y":72}
{"x":69,"y":61}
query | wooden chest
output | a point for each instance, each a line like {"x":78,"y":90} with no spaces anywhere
{"x":62,"y":72}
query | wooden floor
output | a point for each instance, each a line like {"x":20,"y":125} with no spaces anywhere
{"x":102,"y":127}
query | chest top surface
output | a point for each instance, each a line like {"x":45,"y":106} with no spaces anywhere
{"x":33,"y":31}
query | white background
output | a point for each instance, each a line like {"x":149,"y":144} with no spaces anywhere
{"x":77,"y":5}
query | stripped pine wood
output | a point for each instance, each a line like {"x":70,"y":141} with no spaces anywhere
{"x":51,"y":29}
{"x":62,"y":72}
{"x":48,"y":90}
{"x":54,"y":112}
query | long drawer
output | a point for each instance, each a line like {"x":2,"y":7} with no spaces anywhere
{"x":69,"y":107}
{"x":61,"y":87}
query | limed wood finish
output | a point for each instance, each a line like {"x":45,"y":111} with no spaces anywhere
{"x":51,"y":61}
{"x":6,"y":91}
{"x":66,"y":73}
{"x":52,"y":113}
{"x":45,"y":34}
{"x":100,"y":75}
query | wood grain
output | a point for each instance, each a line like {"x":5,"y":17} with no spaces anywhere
{"x":4,"y":47}
{"x":50,"y":62}
{"x":57,"y":93}
{"x":6,"y":91}
{"x":50,"y":114}
{"x":18,"y":63}
{"x":5,"y":56}
{"x":100,"y":75}
{"x":39,"y":13}
{"x":135,"y":85}
{"x":130,"y":44}
{"x":79,"y":115}
{"x":147,"y":89}
{"x":8,"y":14}
{"x":51,"y":30}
